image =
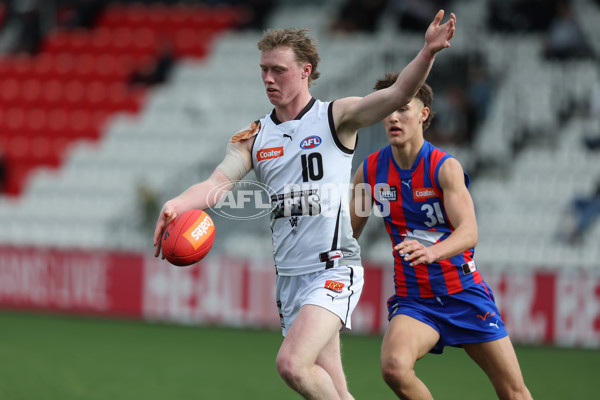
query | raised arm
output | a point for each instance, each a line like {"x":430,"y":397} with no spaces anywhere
{"x":353,"y":113}
{"x":461,"y":213}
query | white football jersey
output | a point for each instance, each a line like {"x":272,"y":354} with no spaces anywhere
{"x":308,"y":172}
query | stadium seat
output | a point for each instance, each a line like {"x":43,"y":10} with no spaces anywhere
{"x":185,"y":123}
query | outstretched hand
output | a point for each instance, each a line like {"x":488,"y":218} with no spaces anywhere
{"x":438,"y":36}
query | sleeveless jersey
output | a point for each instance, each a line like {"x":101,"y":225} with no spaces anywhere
{"x":308,"y":172}
{"x":412,"y":205}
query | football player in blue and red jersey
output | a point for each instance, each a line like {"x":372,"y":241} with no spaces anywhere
{"x":440,"y":297}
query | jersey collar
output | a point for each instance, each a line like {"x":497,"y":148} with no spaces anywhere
{"x":299,"y":116}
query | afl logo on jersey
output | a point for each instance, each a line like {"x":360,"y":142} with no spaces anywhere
{"x":310,"y":142}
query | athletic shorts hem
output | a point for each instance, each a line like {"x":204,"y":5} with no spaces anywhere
{"x":336,"y":290}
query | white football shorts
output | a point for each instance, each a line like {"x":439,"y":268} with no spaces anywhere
{"x":337,"y":290}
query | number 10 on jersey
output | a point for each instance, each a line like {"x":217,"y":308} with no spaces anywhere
{"x":312,"y":167}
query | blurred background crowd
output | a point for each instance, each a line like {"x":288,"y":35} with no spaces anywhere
{"x":109,"y":108}
{"x":76,"y":74}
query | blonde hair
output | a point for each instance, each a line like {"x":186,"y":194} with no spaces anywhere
{"x":303,"y":46}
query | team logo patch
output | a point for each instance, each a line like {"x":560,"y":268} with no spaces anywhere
{"x":487,"y":314}
{"x":334,"y":286}
{"x":422,"y":194}
{"x":267,"y":154}
{"x":310,"y":142}
{"x":246,"y":132}
{"x":388,"y":194}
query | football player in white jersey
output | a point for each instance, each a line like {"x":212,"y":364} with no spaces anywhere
{"x":309,"y":359}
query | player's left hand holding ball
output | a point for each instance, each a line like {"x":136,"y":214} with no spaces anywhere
{"x":167,"y":214}
{"x":188,"y":238}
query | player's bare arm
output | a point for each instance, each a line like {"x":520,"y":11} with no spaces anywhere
{"x":353,"y":113}
{"x":360,"y":204}
{"x":235,"y":165}
{"x":461,"y":213}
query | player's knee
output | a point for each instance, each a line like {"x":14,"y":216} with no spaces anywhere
{"x":513,"y":392}
{"x":510,"y":386}
{"x":289,"y":370}
{"x":396,"y":370}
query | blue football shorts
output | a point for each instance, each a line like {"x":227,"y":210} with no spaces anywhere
{"x":469,"y":316}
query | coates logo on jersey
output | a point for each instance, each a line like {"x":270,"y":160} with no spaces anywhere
{"x":310,"y":142}
{"x":422,"y":194}
{"x":267,"y":154}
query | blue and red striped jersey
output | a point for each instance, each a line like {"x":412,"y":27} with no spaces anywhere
{"x":412,"y":206}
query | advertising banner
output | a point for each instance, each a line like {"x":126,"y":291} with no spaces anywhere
{"x":539,"y":306}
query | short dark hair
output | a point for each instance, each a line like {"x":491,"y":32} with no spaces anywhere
{"x":425,"y":94}
{"x":303,"y":46}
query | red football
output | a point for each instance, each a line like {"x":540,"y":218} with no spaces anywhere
{"x":188,"y":238}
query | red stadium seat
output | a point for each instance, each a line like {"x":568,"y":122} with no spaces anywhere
{"x":78,"y":40}
{"x":105,"y":67}
{"x":53,"y":92}
{"x":96,"y":93}
{"x":41,"y":151}
{"x":14,"y":119}
{"x":121,"y":39}
{"x":100,"y":40}
{"x":9,"y":92}
{"x":22,"y":66}
{"x":18,"y":148}
{"x":74,"y":93}
{"x":80,"y":77}
{"x":43,"y":66}
{"x":31,"y":92}
{"x":58,"y":120}
{"x":84,"y":66}
{"x":36,"y":122}
{"x":113,"y":16}
{"x":4,"y":140}
{"x":64,"y":63}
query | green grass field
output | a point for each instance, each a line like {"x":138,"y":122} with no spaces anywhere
{"x":46,"y":357}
